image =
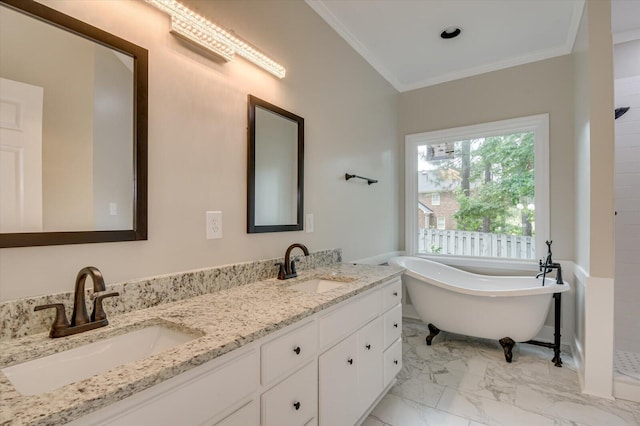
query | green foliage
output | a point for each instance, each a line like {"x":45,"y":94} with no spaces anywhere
{"x":501,"y":175}
{"x":436,"y":250}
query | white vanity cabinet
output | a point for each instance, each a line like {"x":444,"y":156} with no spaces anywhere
{"x":351,"y":373}
{"x":329,"y":369}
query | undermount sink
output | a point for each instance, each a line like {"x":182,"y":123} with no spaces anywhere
{"x":318,"y":285}
{"x":51,"y":372}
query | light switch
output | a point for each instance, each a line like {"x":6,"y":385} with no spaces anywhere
{"x":309,"y":222}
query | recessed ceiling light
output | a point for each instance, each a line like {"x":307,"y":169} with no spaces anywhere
{"x":450,"y":32}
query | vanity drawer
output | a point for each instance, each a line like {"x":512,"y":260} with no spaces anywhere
{"x":348,"y":318}
{"x":288,"y":352}
{"x":391,"y":294}
{"x":392,"y":325}
{"x":392,"y":361}
{"x":294,"y":401}
{"x":246,"y":416}
{"x":204,"y":394}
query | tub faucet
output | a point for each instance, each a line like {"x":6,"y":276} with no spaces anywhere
{"x":550,"y":265}
{"x":288,"y":268}
{"x":80,"y":320}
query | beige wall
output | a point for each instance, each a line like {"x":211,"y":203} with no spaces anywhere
{"x":536,"y":88}
{"x":197,"y":146}
{"x":601,"y":261}
{"x":582,"y":98}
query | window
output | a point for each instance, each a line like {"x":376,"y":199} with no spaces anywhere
{"x":495,"y":177}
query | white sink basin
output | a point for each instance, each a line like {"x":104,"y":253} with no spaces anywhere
{"x":51,"y":372}
{"x":317,"y":285}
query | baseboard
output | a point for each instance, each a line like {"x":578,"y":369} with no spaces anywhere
{"x":626,"y":388}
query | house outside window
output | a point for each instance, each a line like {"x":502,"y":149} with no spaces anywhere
{"x":487,"y":188}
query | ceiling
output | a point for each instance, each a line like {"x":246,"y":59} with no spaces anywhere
{"x":401,"y":38}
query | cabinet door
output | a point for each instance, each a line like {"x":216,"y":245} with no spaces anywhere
{"x":338,"y":387}
{"x":370,"y":375}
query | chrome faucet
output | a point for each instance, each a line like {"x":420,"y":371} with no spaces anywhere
{"x":549,"y":265}
{"x":80,"y":320}
{"x":288,"y":268}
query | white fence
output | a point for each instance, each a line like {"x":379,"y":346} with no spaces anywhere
{"x":464,"y":243}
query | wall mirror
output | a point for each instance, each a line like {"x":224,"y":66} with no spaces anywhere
{"x":73,"y":131}
{"x":275,"y":169}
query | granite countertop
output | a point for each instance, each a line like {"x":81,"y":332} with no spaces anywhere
{"x":224,"y":320}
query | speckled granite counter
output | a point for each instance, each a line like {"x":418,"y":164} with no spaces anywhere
{"x":226,"y":320}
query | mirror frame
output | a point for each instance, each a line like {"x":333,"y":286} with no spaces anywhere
{"x":252,"y":228}
{"x":139,"y":139}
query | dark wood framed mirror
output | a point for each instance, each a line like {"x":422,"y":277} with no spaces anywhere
{"x":275,"y":172}
{"x":84,"y":179}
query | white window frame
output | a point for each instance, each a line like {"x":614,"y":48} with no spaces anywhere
{"x":444,"y":222}
{"x":538,"y":124}
{"x":435,"y":199}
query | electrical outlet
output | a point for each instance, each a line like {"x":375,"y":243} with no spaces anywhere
{"x":309,"y":222}
{"x":214,"y":225}
{"x":113,"y":209}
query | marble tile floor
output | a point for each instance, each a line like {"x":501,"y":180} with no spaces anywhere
{"x":465,"y":381}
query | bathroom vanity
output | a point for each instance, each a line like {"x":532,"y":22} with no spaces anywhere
{"x":267,"y":353}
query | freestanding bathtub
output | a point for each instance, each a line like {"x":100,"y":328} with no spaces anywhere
{"x":506,"y":308}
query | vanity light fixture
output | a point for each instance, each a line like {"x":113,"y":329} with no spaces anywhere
{"x":188,"y":24}
{"x":182,"y":28}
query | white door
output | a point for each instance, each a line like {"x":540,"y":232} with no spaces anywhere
{"x":20,"y":157}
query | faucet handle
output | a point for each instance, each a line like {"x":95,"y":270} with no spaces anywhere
{"x":60,"y":322}
{"x":98,"y":313}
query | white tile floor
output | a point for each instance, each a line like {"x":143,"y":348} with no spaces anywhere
{"x":627,"y":363}
{"x":465,"y":381}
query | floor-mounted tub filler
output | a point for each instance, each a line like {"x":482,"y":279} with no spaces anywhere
{"x":509,"y":309}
